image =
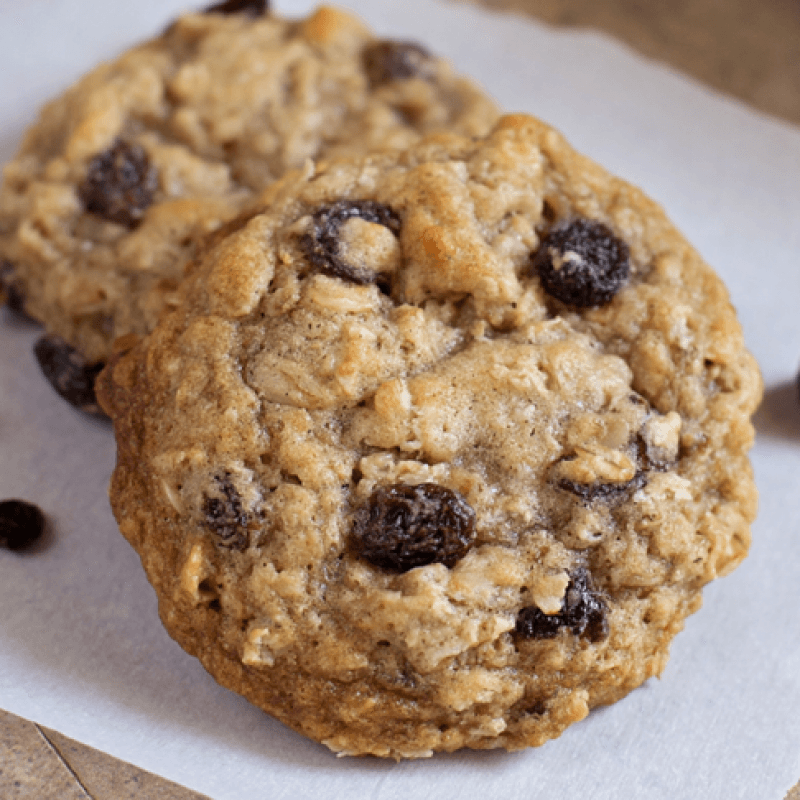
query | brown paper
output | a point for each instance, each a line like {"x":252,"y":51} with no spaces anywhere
{"x":36,"y":762}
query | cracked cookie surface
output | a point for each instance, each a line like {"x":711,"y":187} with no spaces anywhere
{"x":418,"y":501}
{"x":120,"y":177}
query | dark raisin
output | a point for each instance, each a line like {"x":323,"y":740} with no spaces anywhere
{"x":225,"y":516}
{"x":10,"y":291}
{"x":582,"y":263}
{"x":389,"y":60}
{"x":583,"y":612}
{"x":402,"y":527}
{"x":533,"y":623}
{"x":253,"y":8}
{"x":68,"y":372}
{"x":604,"y":492}
{"x":322,"y":244}
{"x":120,"y":184}
{"x":21,"y":524}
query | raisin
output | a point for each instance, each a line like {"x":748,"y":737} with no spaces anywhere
{"x":120,"y":184}
{"x":10,"y":291}
{"x":603,"y":492}
{"x":402,"y":527}
{"x":226,"y":517}
{"x":582,"y":263}
{"x":68,"y":372}
{"x":253,"y":8}
{"x":583,"y":612}
{"x":389,"y":60}
{"x":322,"y":244}
{"x":21,"y":524}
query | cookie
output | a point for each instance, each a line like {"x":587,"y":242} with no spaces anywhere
{"x":120,"y":177}
{"x":439,"y":450}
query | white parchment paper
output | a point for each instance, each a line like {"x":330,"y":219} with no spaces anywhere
{"x":81,"y":648}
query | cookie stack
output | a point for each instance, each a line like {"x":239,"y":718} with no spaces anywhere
{"x":430,"y":431}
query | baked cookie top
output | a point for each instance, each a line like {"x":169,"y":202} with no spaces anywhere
{"x":120,"y":176}
{"x":440,"y":449}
